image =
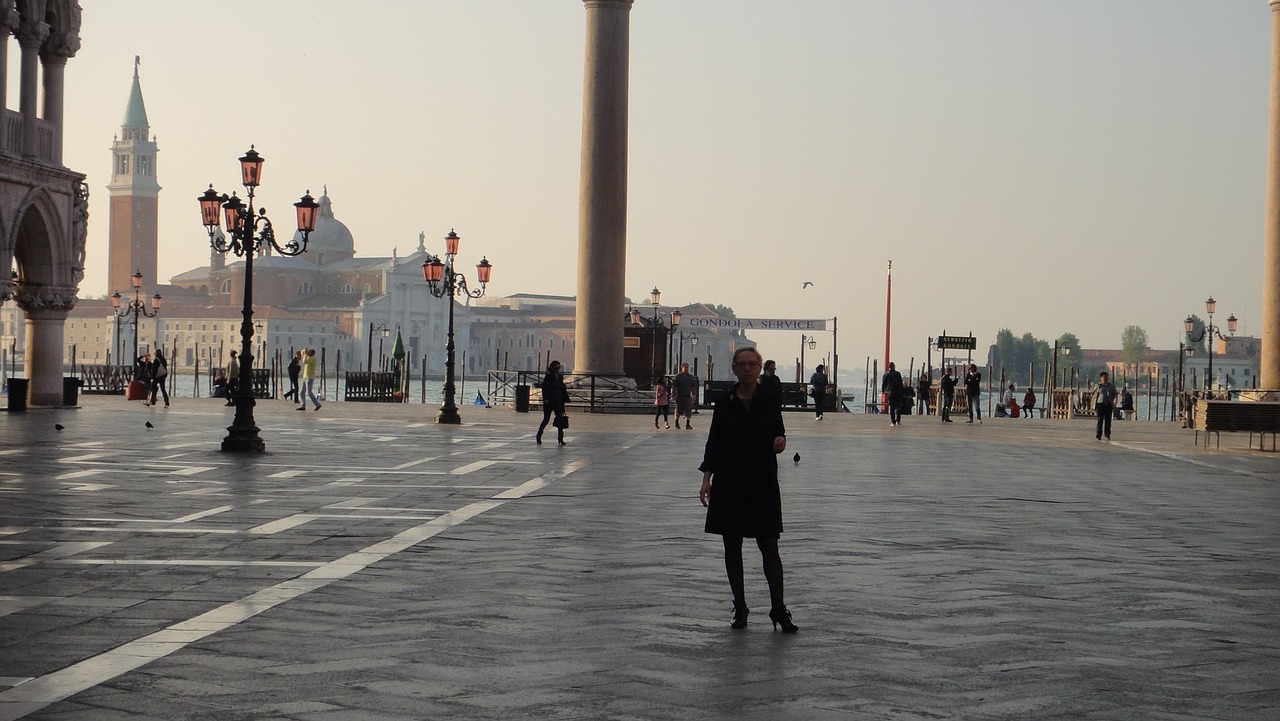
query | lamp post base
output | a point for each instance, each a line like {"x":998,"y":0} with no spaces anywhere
{"x":448,"y":414}
{"x":242,"y":434}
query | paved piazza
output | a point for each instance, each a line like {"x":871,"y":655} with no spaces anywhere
{"x":375,"y":566}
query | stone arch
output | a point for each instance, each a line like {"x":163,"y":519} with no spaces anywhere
{"x":39,"y":242}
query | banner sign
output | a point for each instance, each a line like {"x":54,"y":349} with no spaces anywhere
{"x":957,"y":342}
{"x":755,"y":323}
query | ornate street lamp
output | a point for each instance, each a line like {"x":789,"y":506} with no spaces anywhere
{"x":805,"y":340}
{"x":383,"y":331}
{"x":249,"y":232}
{"x":1210,"y":331}
{"x":445,"y":282}
{"x":135,"y":308}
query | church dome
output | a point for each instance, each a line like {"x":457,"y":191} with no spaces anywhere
{"x":331,"y":240}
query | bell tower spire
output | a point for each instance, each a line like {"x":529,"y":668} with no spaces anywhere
{"x":134,"y":192}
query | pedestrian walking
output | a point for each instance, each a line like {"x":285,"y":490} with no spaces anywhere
{"x":554,"y":395}
{"x":740,"y":483}
{"x":686,"y":388}
{"x":662,"y":401}
{"x":973,"y":392}
{"x":892,"y":386}
{"x":818,"y":389}
{"x":947,"y":390}
{"x":922,"y":393}
{"x":159,"y":376}
{"x":309,"y":362}
{"x":1104,"y":402}
{"x":295,"y":371}
{"x":233,"y":378}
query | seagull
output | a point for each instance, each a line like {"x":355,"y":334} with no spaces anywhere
{"x":796,"y":458}
{"x":806,"y":284}
{"x":149,"y":425}
{"x":58,"y":426}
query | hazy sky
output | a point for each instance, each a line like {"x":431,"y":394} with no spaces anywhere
{"x":1044,"y":166}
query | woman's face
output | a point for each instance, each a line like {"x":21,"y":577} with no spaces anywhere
{"x":746,"y":366}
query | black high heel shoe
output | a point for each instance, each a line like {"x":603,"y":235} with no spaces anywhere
{"x":782,"y":616}
{"x":739,"y":617}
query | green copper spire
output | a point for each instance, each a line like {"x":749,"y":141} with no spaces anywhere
{"x":135,"y":113}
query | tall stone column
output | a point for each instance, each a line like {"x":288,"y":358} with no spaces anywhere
{"x":602,"y":197}
{"x":46,"y":309}
{"x":1270,"y":365}
{"x":31,"y":35}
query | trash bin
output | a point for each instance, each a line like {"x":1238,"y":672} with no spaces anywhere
{"x":522,"y":398}
{"x":71,"y":391}
{"x":17,"y":394}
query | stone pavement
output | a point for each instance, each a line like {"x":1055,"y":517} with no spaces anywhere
{"x":375,"y":566}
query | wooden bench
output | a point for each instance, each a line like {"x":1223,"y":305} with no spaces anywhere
{"x":1261,"y":417}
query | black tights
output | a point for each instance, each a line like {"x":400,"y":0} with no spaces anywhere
{"x":547,"y":410}
{"x":772,"y":569}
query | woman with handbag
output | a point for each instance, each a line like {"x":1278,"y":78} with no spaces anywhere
{"x":554,"y":395}
{"x":159,"y":374}
{"x":740,"y":483}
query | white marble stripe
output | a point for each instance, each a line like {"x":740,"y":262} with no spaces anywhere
{"x":470,"y":467}
{"x":79,"y":474}
{"x":60,"y":550}
{"x":176,"y":562}
{"x":202,"y":514}
{"x":51,"y":688}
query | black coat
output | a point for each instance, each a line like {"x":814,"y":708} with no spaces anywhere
{"x":745,"y":500}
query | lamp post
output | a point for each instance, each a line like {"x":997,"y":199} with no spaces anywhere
{"x":249,"y":232}
{"x":262,"y":340}
{"x":384,"y":331}
{"x":1209,"y":332}
{"x":693,"y":342}
{"x":654,"y":324}
{"x":135,"y":308}
{"x":812,"y":343}
{"x":445,"y":282}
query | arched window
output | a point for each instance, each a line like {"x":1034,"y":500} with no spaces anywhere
{"x":225,"y":289}
{"x":305,"y":289}
{"x":348,"y":288}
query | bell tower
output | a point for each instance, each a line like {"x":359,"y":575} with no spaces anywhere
{"x":134,"y":193}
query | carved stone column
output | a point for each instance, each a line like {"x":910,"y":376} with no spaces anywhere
{"x":61,"y":44}
{"x":602,"y":198}
{"x":31,"y":35}
{"x":9,"y":20}
{"x":1269,"y":372}
{"x":46,"y":309}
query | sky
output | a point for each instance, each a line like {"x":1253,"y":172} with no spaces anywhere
{"x":1036,"y":165}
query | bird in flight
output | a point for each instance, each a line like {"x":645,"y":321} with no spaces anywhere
{"x":806,"y":284}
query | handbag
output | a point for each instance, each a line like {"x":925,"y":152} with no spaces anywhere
{"x":561,"y":422}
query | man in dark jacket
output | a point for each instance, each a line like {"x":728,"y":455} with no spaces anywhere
{"x":891,"y":385}
{"x":1104,"y":401}
{"x":973,"y":392}
{"x":947,"y":387}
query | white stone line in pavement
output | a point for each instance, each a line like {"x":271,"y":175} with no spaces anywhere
{"x":180,"y":562}
{"x":85,"y":487}
{"x":202,"y":514}
{"x":1195,"y":461}
{"x":98,"y":529}
{"x":81,"y":459}
{"x":10,"y":452}
{"x":37,"y":693}
{"x":411,"y":464}
{"x":61,"y":549}
{"x":291,"y":473}
{"x":79,"y":474}
{"x":470,"y":467}
{"x":34,"y":695}
{"x":191,"y":471}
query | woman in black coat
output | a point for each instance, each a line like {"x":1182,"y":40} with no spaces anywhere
{"x":159,"y":377}
{"x":554,"y":395}
{"x":740,"y":483}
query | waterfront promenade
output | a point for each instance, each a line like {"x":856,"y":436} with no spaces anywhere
{"x":375,"y":566}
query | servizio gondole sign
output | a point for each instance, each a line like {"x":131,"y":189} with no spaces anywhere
{"x":755,"y":323}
